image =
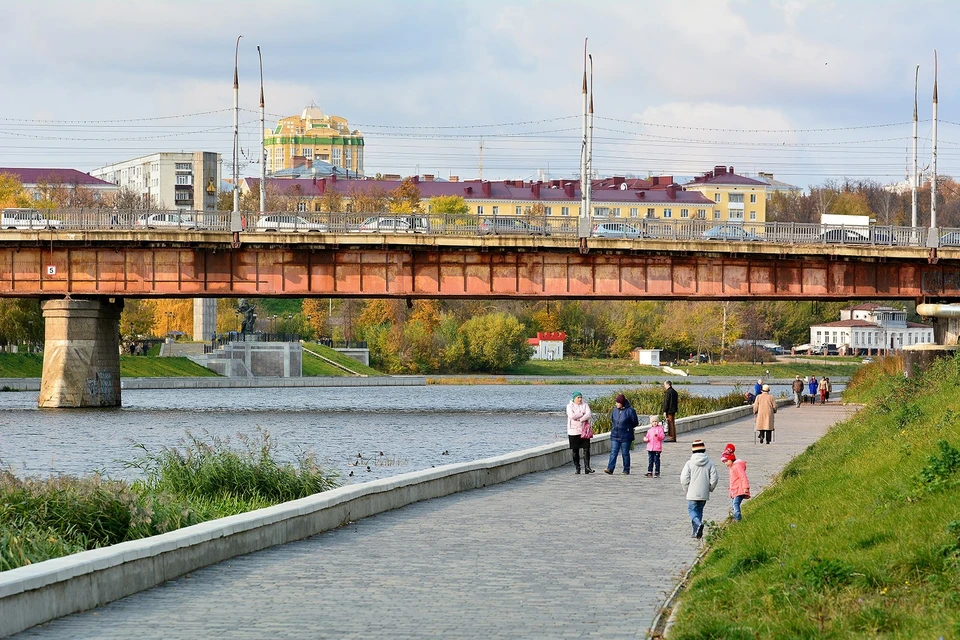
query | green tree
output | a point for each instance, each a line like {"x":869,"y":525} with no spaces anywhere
{"x":137,"y":319}
{"x":448,"y":204}
{"x":21,"y":321}
{"x":493,"y":342}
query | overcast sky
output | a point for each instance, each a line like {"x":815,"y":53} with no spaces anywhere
{"x":677,"y":84}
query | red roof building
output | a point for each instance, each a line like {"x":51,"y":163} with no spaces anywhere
{"x":548,"y":345}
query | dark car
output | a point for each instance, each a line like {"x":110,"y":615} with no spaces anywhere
{"x":843,"y":236}
{"x":509,"y":226}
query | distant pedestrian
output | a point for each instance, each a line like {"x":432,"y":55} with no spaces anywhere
{"x":579,"y":415}
{"x":813,"y":389}
{"x":669,"y":410}
{"x":623,"y":421}
{"x":764,"y":407}
{"x":797,"y":391}
{"x":757,"y":387}
{"x":823,"y":390}
{"x":698,"y":478}
{"x":654,"y":439}
{"x":739,"y":485}
{"x":829,"y":387}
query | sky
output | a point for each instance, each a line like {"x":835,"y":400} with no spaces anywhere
{"x":809,"y":90}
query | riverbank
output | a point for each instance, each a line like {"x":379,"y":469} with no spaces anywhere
{"x":859,"y":536}
{"x":33,"y":384}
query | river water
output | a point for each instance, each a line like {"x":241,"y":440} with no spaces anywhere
{"x":414,"y":427}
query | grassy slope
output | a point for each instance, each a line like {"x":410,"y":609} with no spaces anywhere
{"x":147,"y":367}
{"x":338,"y":357}
{"x":852,"y":540}
{"x":21,"y":365}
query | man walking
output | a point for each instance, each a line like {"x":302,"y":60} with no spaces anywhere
{"x":797,"y":391}
{"x":669,"y":410}
{"x":698,"y":478}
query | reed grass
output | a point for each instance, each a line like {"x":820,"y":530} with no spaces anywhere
{"x":649,"y":400}
{"x":202,"y":479}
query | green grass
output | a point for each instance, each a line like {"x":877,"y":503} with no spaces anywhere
{"x":336,"y":356}
{"x":858,"y":537}
{"x":625,"y":367}
{"x":21,"y":365}
{"x":149,"y":367}
{"x":43,"y":518}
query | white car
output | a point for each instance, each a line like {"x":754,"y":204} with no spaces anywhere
{"x":286,"y":222}
{"x":26,"y":219}
{"x":166,"y":221}
{"x":394,"y":224}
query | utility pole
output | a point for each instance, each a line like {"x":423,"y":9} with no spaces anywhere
{"x":263,"y":148}
{"x":583,"y":230}
{"x":916,"y":178}
{"x":235,"y":225}
{"x":589,"y":184}
{"x":933,"y":183}
{"x":480,"y":167}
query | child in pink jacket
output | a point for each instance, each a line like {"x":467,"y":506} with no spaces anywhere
{"x":654,"y":439}
{"x":739,"y":485}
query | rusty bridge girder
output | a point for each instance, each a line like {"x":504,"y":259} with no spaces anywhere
{"x":181,"y":265}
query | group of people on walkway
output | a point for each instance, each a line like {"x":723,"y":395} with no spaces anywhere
{"x":699,"y":476}
{"x":809,"y":389}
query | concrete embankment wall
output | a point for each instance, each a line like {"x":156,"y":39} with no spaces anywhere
{"x":54,"y":588}
{"x":33,"y":384}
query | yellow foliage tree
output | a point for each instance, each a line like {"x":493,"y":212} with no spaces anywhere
{"x":12,"y":193}
{"x":316,"y":312}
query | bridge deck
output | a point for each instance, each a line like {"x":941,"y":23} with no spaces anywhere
{"x":550,"y":554}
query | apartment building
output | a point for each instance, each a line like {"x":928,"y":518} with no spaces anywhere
{"x":169,"y":180}
{"x":736,"y":199}
{"x":313,"y":136}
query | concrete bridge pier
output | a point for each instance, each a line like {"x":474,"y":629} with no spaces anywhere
{"x":81,"y":357}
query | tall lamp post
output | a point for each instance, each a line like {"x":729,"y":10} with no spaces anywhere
{"x":169,"y":316}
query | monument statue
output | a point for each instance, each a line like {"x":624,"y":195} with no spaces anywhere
{"x":247,"y":311}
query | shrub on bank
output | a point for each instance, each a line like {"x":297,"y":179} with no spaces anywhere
{"x":204,"y":479}
{"x":649,"y":400}
{"x":858,"y":537}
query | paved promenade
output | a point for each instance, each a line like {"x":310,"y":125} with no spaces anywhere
{"x":548,"y":555}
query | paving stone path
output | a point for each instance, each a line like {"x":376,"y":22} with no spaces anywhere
{"x":548,"y":555}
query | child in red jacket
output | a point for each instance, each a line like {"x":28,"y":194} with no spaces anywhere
{"x":739,"y":485}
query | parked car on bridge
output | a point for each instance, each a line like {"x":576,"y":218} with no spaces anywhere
{"x":617,"y":230}
{"x":394,"y":224}
{"x":166,"y":220}
{"x":26,"y":219}
{"x":509,"y":226}
{"x":729,"y":232}
{"x":276,"y":222}
{"x":843,"y":236}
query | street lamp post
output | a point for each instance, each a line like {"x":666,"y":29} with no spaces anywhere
{"x":168,"y":315}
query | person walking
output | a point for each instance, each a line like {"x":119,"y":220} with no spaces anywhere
{"x":813,"y":389}
{"x":739,"y":485}
{"x":578,"y":415}
{"x":829,"y":387}
{"x":654,"y":439}
{"x":757,"y":387}
{"x":623,"y":421}
{"x":698,"y":478}
{"x":669,"y":410}
{"x":764,"y":407}
{"x":797,"y":391}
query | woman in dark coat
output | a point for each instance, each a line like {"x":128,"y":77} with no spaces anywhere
{"x":623,"y":421}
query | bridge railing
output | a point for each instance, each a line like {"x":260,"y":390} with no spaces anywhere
{"x":471,"y":224}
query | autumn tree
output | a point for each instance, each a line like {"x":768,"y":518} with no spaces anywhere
{"x":331,"y":201}
{"x":138,"y":318}
{"x":317,"y":313}
{"x":12,"y":193}
{"x":373,"y":200}
{"x":492,"y":342}
{"x":406,"y":197}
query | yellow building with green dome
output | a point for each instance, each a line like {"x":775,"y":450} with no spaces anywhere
{"x":300,"y":140}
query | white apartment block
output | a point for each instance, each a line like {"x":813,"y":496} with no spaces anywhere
{"x":871,"y":327}
{"x":184,"y":180}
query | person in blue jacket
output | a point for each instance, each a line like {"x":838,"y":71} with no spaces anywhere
{"x":757,"y":388}
{"x":814,"y":385}
{"x":623,"y":421}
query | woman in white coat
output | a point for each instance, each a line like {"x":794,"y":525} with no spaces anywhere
{"x":578,"y":413}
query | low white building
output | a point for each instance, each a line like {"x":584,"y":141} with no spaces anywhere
{"x":548,"y":345}
{"x":871,"y":327}
{"x":648,"y":356}
{"x":169,"y":180}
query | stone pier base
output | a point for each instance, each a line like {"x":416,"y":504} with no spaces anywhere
{"x":81,"y":357}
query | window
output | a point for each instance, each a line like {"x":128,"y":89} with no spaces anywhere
{"x":308,"y":154}
{"x":183,"y":166}
{"x":702,"y":214}
{"x":335,"y":156}
{"x":753,"y":198}
{"x":616,"y":212}
{"x":735,"y":198}
{"x":634,"y":212}
{"x":480,"y":209}
{"x":496,"y":209}
{"x":547,"y":211}
{"x":182,"y":195}
{"x":651,"y":212}
{"x":716,"y":214}
{"x":736,"y":214}
{"x":564,"y":211}
{"x":360,"y":160}
{"x":753,"y":215}
{"x":301,"y":207}
{"x":183,"y":179}
{"x":518,"y":210}
{"x":667,"y":213}
{"x":348,"y":158}
{"x":684,"y":213}
{"x":818,"y":337}
{"x":716,"y":197}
